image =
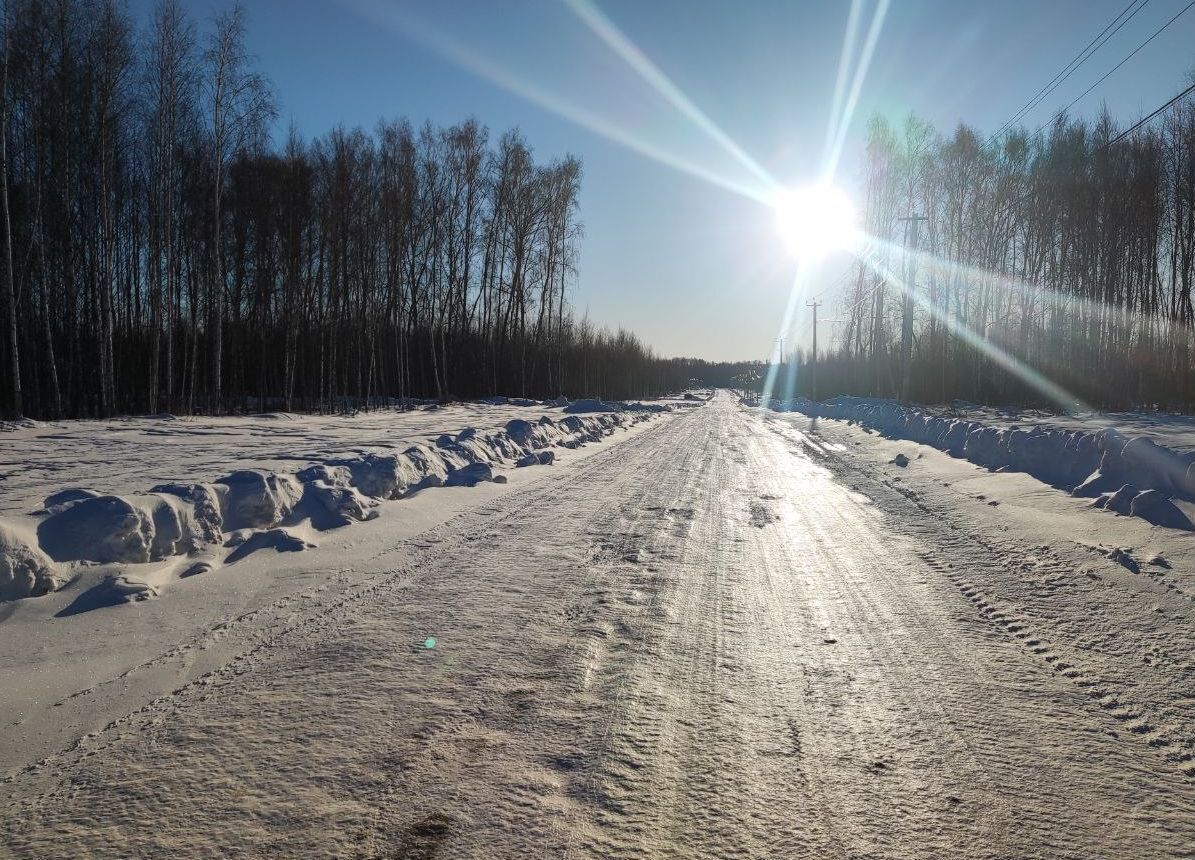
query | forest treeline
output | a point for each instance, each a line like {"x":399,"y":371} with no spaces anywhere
{"x":1066,"y":254}
{"x":162,"y":253}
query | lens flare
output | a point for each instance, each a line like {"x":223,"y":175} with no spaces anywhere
{"x":816,"y":221}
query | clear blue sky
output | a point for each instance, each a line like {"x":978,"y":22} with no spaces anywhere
{"x":694,"y":268}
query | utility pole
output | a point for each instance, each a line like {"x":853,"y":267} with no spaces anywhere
{"x":912,"y":233}
{"x":775,"y":363}
{"x":815,"y":305}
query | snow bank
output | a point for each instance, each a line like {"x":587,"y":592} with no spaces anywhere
{"x":590,"y":405}
{"x":205,"y":506}
{"x":1152,"y":505}
{"x":1101,"y":463}
{"x":25,"y":571}
{"x":257,"y":498}
{"x":471,"y":475}
{"x":13,"y":425}
{"x":131,"y":529}
{"x":58,"y":500}
{"x":252,"y":509}
{"x":103,"y":529}
{"x":329,"y":490}
{"x":542,"y":458}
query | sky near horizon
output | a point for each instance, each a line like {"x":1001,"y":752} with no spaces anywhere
{"x":676,"y":248}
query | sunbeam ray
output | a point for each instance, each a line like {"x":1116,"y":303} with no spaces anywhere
{"x":800,"y":279}
{"x":1018,"y":368}
{"x":616,"y":40}
{"x":844,"y":63}
{"x":848,"y":110}
{"x":977,"y":275}
{"x":841,"y":114}
{"x":411,"y":27}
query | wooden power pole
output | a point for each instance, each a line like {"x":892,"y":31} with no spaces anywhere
{"x":813,"y":367}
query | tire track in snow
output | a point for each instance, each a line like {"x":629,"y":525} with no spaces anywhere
{"x":1131,"y":714}
{"x":810,"y":688}
{"x":974,"y":552}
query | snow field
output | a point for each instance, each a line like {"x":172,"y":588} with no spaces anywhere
{"x":254,"y":508}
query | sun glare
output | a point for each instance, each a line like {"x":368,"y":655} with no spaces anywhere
{"x":815,"y":221}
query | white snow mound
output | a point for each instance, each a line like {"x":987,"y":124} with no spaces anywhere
{"x":25,"y":571}
{"x":251,"y":509}
{"x":1102,"y":463}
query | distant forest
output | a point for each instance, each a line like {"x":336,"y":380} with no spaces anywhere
{"x":161,"y":253}
{"x":1069,"y":251}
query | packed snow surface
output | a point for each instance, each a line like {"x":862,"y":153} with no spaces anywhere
{"x":725,"y":633}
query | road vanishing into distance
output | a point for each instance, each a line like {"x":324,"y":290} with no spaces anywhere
{"x":719,"y":638}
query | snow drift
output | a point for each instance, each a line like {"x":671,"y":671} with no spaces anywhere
{"x":1133,"y":476}
{"x":25,"y":571}
{"x":251,"y":509}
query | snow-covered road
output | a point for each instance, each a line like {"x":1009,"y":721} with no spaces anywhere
{"x":720,"y":637}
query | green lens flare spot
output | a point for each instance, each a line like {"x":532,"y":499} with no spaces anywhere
{"x":429,"y":642}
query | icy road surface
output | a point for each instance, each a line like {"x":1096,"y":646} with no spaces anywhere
{"x":718,"y":638}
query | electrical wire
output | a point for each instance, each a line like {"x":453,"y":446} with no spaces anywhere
{"x":1108,"y":74}
{"x":1070,"y":68}
{"x":1144,"y":120}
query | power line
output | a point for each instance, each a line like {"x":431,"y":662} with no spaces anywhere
{"x":1078,"y":60}
{"x":1141,"y":122}
{"x":1106,"y":144}
{"x":1108,"y":74}
{"x":1131,"y":128}
{"x":865,"y":297}
{"x":869,"y":294}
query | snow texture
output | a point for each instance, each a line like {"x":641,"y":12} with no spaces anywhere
{"x":773,"y":641}
{"x":582,"y":406}
{"x":1104,"y":463}
{"x":25,"y":571}
{"x":254,"y":508}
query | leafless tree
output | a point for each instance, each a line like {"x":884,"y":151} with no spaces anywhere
{"x":1067,"y":254}
{"x":162,"y":254}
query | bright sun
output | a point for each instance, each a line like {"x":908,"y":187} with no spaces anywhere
{"x":815,"y":220}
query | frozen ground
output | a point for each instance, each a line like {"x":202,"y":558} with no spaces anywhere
{"x":725,"y":633}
